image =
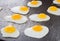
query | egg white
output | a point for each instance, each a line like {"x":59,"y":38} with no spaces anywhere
{"x":22,"y":20}
{"x":35,"y":18}
{"x":56,"y":2}
{"x":16,"y":10}
{"x":0,"y":8}
{"x":54,"y":12}
{"x":30,"y":5}
{"x":29,"y":32}
{"x":13,"y":35}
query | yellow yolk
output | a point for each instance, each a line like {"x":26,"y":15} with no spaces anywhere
{"x":9,"y":29}
{"x":58,"y":1}
{"x":34,"y":2}
{"x":41,"y":15}
{"x":24,"y":8}
{"x":16,"y":16}
{"x":37,"y":28}
{"x":53,"y":8}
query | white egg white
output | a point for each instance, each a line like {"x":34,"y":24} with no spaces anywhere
{"x":16,"y":10}
{"x":13,"y":35}
{"x":0,"y":8}
{"x":54,"y":12}
{"x":30,"y":5}
{"x":22,"y":20}
{"x":29,"y":32}
{"x":35,"y":18}
{"x":56,"y":2}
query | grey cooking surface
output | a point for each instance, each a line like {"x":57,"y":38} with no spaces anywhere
{"x":53,"y":24}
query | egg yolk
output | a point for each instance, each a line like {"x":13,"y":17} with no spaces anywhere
{"x":24,"y":8}
{"x":34,"y":2}
{"x":58,"y":1}
{"x":42,"y":15}
{"x":53,"y":8}
{"x":9,"y":29}
{"x":37,"y":28}
{"x":16,"y":16}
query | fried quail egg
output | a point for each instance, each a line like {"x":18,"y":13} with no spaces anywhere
{"x":36,"y":31}
{"x":54,"y":10}
{"x":56,"y":1}
{"x":10,"y":31}
{"x":34,"y":3}
{"x":17,"y":18}
{"x":20,"y":9}
{"x":39,"y":17}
